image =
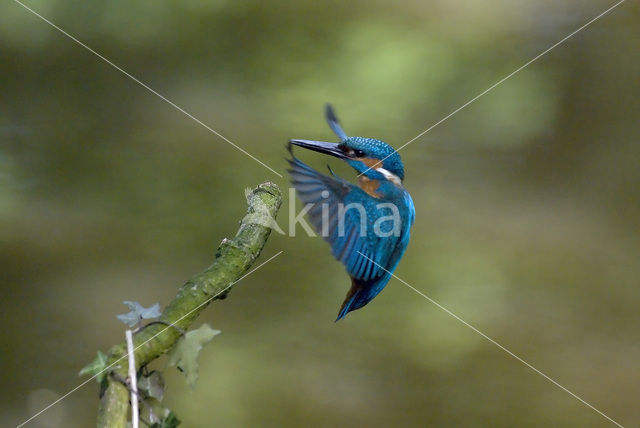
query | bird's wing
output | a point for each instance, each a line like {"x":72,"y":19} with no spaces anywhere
{"x":348,"y":244}
{"x":334,"y":123}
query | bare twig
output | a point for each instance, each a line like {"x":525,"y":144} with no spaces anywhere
{"x":133,"y":380}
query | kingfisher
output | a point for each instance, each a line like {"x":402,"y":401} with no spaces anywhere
{"x":367,"y":225}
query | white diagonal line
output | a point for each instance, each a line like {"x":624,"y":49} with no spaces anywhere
{"x":541,"y":54}
{"x":168,"y":101}
{"x":494,"y":342}
{"x":148,"y":340}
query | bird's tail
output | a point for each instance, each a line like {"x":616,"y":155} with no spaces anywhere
{"x":355,"y":299}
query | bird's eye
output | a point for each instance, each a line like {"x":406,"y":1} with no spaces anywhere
{"x":352,"y":153}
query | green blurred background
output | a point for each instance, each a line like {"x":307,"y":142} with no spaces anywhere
{"x":527,"y":203}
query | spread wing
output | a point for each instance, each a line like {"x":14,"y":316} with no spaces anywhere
{"x":348,"y":242}
{"x":334,"y":123}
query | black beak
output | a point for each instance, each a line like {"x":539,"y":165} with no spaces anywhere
{"x":320,"y":146}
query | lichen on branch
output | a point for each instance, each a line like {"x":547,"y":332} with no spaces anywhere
{"x":233,"y":258}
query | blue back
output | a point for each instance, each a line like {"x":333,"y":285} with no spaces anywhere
{"x":370,"y":256}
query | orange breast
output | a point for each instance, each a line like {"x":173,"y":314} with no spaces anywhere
{"x":369,"y":186}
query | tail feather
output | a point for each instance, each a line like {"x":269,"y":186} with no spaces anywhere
{"x":352,"y":295}
{"x":358,"y":295}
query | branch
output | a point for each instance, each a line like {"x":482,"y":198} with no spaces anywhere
{"x":233,"y":258}
{"x":133,"y":379}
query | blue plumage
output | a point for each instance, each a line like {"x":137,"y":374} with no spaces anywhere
{"x":367,"y":226}
{"x":333,"y":122}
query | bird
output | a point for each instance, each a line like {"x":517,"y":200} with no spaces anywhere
{"x":367,"y":225}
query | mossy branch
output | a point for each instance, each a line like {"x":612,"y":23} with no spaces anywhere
{"x":233,"y":258}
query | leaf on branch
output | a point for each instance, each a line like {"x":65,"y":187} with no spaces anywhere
{"x":152,"y":385}
{"x":154,"y":412}
{"x":170,"y":421}
{"x":184,"y":355}
{"x":96,"y":367}
{"x":138,"y":313}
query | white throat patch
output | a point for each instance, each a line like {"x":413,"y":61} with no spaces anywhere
{"x":390,"y":176}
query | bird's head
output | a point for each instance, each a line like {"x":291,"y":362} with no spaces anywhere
{"x":372,"y":158}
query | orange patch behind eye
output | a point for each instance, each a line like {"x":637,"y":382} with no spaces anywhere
{"x":370,"y":162}
{"x":369,"y":186}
